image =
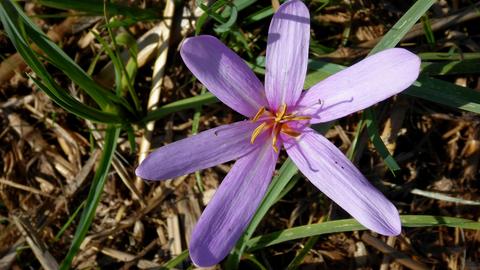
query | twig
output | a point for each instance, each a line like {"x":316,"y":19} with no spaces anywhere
{"x":25,"y":188}
{"x":38,"y":247}
{"x":397,"y":256}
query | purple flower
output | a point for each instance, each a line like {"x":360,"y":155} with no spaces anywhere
{"x":280,"y":115}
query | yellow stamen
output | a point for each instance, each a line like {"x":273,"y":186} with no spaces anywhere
{"x":257,"y":131}
{"x":292,"y":117}
{"x":259,"y":114}
{"x":275,"y":148}
{"x":281,"y":112}
{"x":277,"y":122}
{"x":275,"y":138}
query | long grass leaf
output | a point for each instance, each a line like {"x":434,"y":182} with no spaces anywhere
{"x":187,"y":103}
{"x":106,"y":99}
{"x":46,"y":82}
{"x":403,"y":25}
{"x":443,"y":197}
{"x":347,"y":225}
{"x":171,"y":264}
{"x":74,"y":106}
{"x":446,"y":93}
{"x":96,"y":190}
{"x":92,"y":7}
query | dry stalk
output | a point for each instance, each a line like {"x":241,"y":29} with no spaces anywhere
{"x":163,"y":32}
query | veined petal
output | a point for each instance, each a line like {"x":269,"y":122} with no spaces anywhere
{"x":287,"y":54}
{"x":204,"y":150}
{"x":232,"y":207}
{"x":224,"y":74}
{"x":369,"y":81}
{"x":331,"y":172}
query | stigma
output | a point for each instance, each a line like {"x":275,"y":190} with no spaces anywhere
{"x":276,"y":123}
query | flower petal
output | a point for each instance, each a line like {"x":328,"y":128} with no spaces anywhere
{"x":331,"y":172}
{"x":204,"y":150}
{"x":224,"y":74}
{"x":231,"y":209}
{"x":287,"y":54}
{"x":371,"y":80}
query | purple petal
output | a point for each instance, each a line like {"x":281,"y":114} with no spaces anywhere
{"x":331,"y":172}
{"x":287,"y":54}
{"x":231,"y":209}
{"x":204,"y":150}
{"x":224,"y":74}
{"x":371,"y":80}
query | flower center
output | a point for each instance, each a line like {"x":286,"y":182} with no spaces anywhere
{"x":277,"y":122}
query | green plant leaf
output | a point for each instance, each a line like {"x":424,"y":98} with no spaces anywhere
{"x":96,"y":190}
{"x":45,"y":81}
{"x":347,"y":225}
{"x":403,"y":25}
{"x":445,"y":93}
{"x":95,"y":7}
{"x":19,"y":29}
{"x":171,"y":264}
{"x":187,"y":103}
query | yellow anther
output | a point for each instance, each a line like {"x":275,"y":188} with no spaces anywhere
{"x":292,"y":117}
{"x":259,"y":114}
{"x":281,"y":112}
{"x":257,"y":131}
{"x":275,"y":138}
{"x":275,"y":148}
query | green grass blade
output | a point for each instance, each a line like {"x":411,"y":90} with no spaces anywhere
{"x":131,"y":68}
{"x":427,"y":28}
{"x":450,"y":67}
{"x":447,"y":56}
{"x":446,"y":93}
{"x":443,"y":197}
{"x":298,"y":259}
{"x":195,"y":126}
{"x":187,"y":103}
{"x":69,"y":222}
{"x":62,"y":61}
{"x":45,"y":81}
{"x":347,"y":225}
{"x":403,"y":25}
{"x":259,"y":15}
{"x":242,"y":4}
{"x":371,"y":124}
{"x":74,"y":106}
{"x":96,"y":190}
{"x":175,"y":261}
{"x":95,"y":7}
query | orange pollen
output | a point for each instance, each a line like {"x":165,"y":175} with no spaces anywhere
{"x":276,"y":123}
